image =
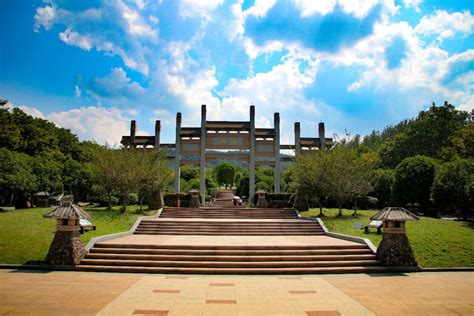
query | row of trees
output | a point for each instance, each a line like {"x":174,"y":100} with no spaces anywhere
{"x":427,"y":162}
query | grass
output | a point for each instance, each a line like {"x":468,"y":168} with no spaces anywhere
{"x":435,"y":242}
{"x":25,"y":235}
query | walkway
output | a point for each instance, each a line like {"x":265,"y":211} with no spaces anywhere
{"x":81,"y":293}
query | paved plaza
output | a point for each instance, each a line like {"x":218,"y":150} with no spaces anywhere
{"x":81,"y":293}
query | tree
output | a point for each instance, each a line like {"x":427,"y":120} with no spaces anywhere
{"x":413,"y":181}
{"x":339,"y":173}
{"x":451,"y":185}
{"x":382,"y":184}
{"x":153,"y":173}
{"x":224,"y":173}
{"x":48,"y":174}
{"x":77,"y":179}
{"x":16,"y":177}
{"x":426,"y":135}
{"x":188,"y":173}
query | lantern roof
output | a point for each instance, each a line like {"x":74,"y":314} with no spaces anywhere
{"x":395,"y":214}
{"x":194,"y":191}
{"x":67,"y":210}
{"x":261,"y":191}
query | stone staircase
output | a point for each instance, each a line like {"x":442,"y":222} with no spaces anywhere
{"x":234,"y":227}
{"x":230,"y":259}
{"x":228,"y":213}
{"x":230,"y":241}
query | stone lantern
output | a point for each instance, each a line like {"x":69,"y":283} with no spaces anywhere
{"x":394,"y":249}
{"x":261,"y":201}
{"x":67,"y":247}
{"x":194,"y":198}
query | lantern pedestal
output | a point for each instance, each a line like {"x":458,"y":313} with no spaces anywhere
{"x":66,"y":248}
{"x":262,"y":201}
{"x":194,"y":202}
{"x":395,"y":251}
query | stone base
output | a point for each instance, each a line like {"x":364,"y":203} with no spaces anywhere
{"x":262,"y":202}
{"x":395,"y":251}
{"x":155,"y":202}
{"x":66,"y":249}
{"x":194,"y":202}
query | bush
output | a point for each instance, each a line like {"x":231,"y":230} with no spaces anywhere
{"x":451,"y":185}
{"x":413,"y":181}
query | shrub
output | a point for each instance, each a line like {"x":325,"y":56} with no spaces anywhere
{"x":413,"y":181}
{"x":451,"y":185}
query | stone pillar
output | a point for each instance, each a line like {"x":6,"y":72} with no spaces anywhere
{"x":394,"y":249}
{"x":261,"y":200}
{"x":297,"y":138}
{"x":276,"y":124}
{"x":322,"y":137}
{"x":133,"y":131}
{"x":202,"y":162}
{"x":252,"y":156}
{"x":67,"y":247}
{"x":177,"y":185}
{"x":194,"y":202}
{"x":157,"y":134}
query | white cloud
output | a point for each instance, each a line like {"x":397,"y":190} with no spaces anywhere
{"x":32,"y":111}
{"x":136,"y":25}
{"x":73,"y":38}
{"x":309,"y":7}
{"x":113,"y":28}
{"x":446,"y":25}
{"x":202,"y":8}
{"x":412,"y":4}
{"x":93,"y":123}
{"x":44,"y":17}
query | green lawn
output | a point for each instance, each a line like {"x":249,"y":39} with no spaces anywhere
{"x":25,"y":235}
{"x":435,"y":242}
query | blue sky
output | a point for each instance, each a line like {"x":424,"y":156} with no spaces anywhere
{"x":357,"y":65}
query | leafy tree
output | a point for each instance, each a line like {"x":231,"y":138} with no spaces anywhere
{"x":426,"y":135}
{"x":339,"y":173}
{"x":463,"y":142}
{"x":77,"y":179}
{"x":48,"y":174}
{"x":383,"y":181}
{"x":243,"y":187}
{"x":224,"y":173}
{"x":451,"y":185}
{"x":16,"y":176}
{"x":413,"y":181}
{"x":188,"y":173}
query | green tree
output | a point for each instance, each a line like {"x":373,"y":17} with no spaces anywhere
{"x":382,"y":184}
{"x":451,"y":185}
{"x":413,"y":181}
{"x":188,"y":173}
{"x":224,"y":173}
{"x":426,"y":135}
{"x":48,"y":174}
{"x":77,"y":179}
{"x":339,"y":173}
{"x":16,"y":177}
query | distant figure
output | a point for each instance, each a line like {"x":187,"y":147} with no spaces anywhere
{"x":235,"y":200}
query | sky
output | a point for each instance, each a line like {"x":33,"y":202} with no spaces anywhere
{"x":357,"y":65}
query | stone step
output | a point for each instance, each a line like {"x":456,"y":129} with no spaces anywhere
{"x":222,"y":252}
{"x":286,"y":270}
{"x":233,"y":247}
{"x":234,"y":264}
{"x":242,"y":258}
{"x":229,"y":233}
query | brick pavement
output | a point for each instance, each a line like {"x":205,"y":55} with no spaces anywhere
{"x":79,"y":293}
